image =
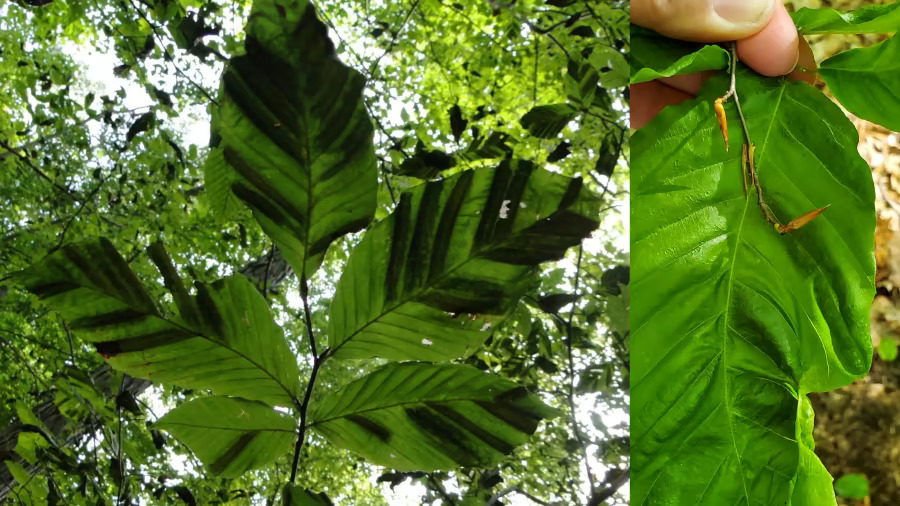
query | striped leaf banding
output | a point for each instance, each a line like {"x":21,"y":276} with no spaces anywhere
{"x":420,"y":416}
{"x":470,"y":243}
{"x":230,"y":435}
{"x":225,"y":339}
{"x":294,"y":132}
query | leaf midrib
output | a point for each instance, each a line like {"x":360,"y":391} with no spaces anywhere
{"x":414,"y":295}
{"x":730,"y":284}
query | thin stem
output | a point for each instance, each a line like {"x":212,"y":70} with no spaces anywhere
{"x":748,"y":155}
{"x":317,"y":363}
{"x":733,"y":91}
{"x":266,"y":276}
{"x":37,"y":170}
{"x":571,"y":393}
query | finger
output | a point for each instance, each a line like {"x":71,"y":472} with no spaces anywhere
{"x":703,"y":20}
{"x":648,"y":99}
{"x":688,"y":83}
{"x":775,"y":49}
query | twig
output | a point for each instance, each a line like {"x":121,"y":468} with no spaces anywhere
{"x":119,"y":445}
{"x":571,"y":365}
{"x":614,"y":485}
{"x":509,"y":490}
{"x":39,"y":172}
{"x":170,"y":58}
{"x":749,"y":148}
{"x":317,"y":363}
{"x":266,"y":275}
{"x":440,"y":488}
{"x":393,"y":42}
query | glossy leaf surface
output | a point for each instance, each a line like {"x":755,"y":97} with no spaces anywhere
{"x":651,"y":58}
{"x":867,"y":81}
{"x":295,"y":132}
{"x":466,"y":244}
{"x":733,"y":323}
{"x":868,"y":19}
{"x":225,"y":339}
{"x":419,"y":416}
{"x":230,"y":435}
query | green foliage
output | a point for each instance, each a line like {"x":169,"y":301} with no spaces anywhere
{"x":868,"y":19}
{"x":224,"y":338}
{"x":299,"y":142}
{"x":420,"y":416}
{"x":654,"y":56}
{"x":866,"y":80}
{"x":465,"y":245}
{"x":853,"y":485}
{"x":230,"y":435}
{"x":86,"y":155}
{"x":736,"y":323}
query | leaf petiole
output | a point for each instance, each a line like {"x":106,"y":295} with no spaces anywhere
{"x":748,"y":158}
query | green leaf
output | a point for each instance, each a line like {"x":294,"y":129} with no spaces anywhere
{"x":467,"y":244}
{"x":494,"y":145}
{"x":867,"y":81}
{"x":887,"y":349}
{"x":142,"y":124}
{"x":230,"y":435}
{"x":426,"y":164}
{"x":813,"y":484}
{"x":654,"y":56}
{"x":733,"y":322}
{"x":581,"y":81}
{"x":852,"y":485}
{"x":295,"y":132}
{"x":295,"y":495}
{"x":547,"y":121}
{"x":869,"y":19}
{"x":418,"y":416}
{"x":223,"y":203}
{"x":612,"y":66}
{"x":225,"y":339}
{"x":457,"y":122}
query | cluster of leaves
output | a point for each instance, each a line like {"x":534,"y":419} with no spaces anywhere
{"x":736,"y":323}
{"x":149,"y":183}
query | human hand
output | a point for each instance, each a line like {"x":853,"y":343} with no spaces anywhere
{"x":768,"y":43}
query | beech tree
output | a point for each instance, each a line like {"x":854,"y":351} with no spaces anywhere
{"x":395,"y":259}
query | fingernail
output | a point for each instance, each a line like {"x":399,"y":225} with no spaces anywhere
{"x":742,"y":11}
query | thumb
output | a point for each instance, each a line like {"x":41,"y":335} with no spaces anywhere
{"x":703,"y":20}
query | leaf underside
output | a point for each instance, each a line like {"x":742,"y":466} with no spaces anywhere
{"x":419,"y":416}
{"x":293,"y":128}
{"x":225,"y":340}
{"x":467,"y":244}
{"x":230,"y":435}
{"x":733,"y":323}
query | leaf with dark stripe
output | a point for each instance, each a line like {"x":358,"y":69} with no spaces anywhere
{"x":225,"y":339}
{"x":295,"y":495}
{"x":294,"y":133}
{"x":467,"y":244}
{"x":230,"y":435}
{"x":429,"y":417}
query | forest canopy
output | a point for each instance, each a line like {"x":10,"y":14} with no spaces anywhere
{"x":361,"y":252}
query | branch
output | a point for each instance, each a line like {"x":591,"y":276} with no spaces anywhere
{"x":39,"y":172}
{"x":317,"y":363}
{"x":571,"y":394}
{"x":515,"y":488}
{"x":614,"y":485}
